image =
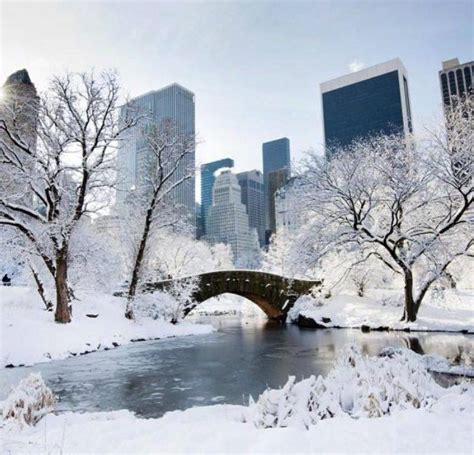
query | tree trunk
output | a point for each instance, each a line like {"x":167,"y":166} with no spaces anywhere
{"x":409,"y":314}
{"x":63,"y":310}
{"x":132,"y":290}
{"x":40,"y":289}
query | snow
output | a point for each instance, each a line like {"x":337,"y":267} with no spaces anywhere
{"x":358,"y":386}
{"x":442,"y":424}
{"x":22,"y":312}
{"x":217,"y":429}
{"x":451,"y":311}
{"x":228,"y":305}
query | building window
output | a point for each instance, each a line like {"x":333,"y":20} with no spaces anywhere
{"x":452,"y":84}
{"x":445,"y":89}
{"x":467,"y":76}
{"x":460,"y":81}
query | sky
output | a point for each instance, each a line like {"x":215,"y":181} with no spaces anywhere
{"x":255,"y":66}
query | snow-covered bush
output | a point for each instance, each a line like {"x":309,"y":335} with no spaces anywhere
{"x":358,"y":386}
{"x":29,"y":401}
{"x":159,"y":305}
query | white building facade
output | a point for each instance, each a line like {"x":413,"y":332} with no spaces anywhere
{"x":228,"y":221}
{"x":289,"y":207}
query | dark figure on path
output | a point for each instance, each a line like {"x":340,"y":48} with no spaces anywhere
{"x":6,"y":280}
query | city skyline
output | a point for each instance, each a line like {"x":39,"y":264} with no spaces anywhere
{"x":284,"y":100}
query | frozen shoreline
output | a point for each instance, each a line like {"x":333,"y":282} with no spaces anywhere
{"x":21,"y":313}
{"x":381,"y":310}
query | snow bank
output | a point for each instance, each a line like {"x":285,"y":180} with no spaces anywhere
{"x":440,"y":422}
{"x":358,"y":386}
{"x":451,"y":311}
{"x":29,"y":334}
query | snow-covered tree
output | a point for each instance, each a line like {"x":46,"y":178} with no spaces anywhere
{"x":152,"y":207}
{"x":178,"y":257}
{"x":95,"y":260}
{"x":54,"y":173}
{"x":280,"y":257}
{"x":406,"y":204}
{"x":178,"y":254}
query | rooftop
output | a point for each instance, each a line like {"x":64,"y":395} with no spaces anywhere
{"x":362,"y":75}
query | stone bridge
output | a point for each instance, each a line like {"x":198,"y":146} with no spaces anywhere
{"x":274,"y":294}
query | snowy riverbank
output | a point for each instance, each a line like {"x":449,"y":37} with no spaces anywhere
{"x":365,"y":404}
{"x":217,"y":429}
{"x":22,"y":313}
{"x":450,"y":311}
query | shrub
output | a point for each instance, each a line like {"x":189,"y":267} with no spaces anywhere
{"x":29,"y":401}
{"x":358,"y":386}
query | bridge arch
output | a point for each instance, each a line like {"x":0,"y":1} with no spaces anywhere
{"x":272,"y":293}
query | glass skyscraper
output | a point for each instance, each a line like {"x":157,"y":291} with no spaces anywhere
{"x":208,"y":177}
{"x":276,"y":156}
{"x":366,"y":103}
{"x":252,"y":196}
{"x":174,"y":103}
{"x":456,"y":80}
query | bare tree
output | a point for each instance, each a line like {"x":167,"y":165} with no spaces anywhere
{"x":63,"y":165}
{"x":407,"y":205}
{"x":167,"y":167}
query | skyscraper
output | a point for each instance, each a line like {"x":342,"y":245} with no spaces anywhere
{"x":276,"y":180}
{"x":174,"y":103}
{"x":252,"y":196}
{"x":369,"y":102}
{"x":289,"y":206}
{"x":19,"y":109}
{"x":208,"y":177}
{"x":19,"y":104}
{"x":455,"y":80}
{"x":228,"y":220}
{"x":276,"y":155}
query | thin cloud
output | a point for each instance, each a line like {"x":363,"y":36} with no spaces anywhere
{"x":356,"y":65}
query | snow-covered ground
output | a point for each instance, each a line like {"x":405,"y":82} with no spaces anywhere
{"x":365,"y":405}
{"x":229,"y":305}
{"x":217,"y":429}
{"x":29,"y":334}
{"x":451,"y":310}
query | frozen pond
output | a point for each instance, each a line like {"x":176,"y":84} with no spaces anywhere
{"x":243,"y":357}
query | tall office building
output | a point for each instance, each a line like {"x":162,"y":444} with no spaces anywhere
{"x":208,"y":176}
{"x":172,"y":103}
{"x":289,"y":206}
{"x":19,"y":109}
{"x":199,"y":223}
{"x":228,"y":220}
{"x":276,"y":180}
{"x":276,"y":155}
{"x":366,"y":103}
{"x":252,"y":196}
{"x":455,"y":80}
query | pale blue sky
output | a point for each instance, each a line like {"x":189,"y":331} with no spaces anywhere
{"x":255,"y":66}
